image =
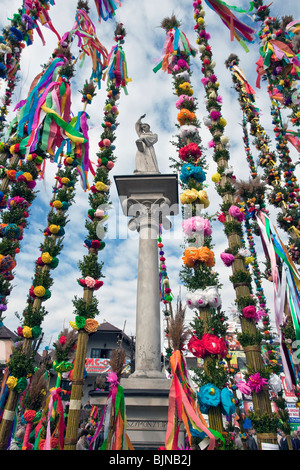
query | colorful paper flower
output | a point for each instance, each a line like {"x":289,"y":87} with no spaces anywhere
{"x":227,"y":401}
{"x":236,"y":213}
{"x":195,"y":224}
{"x":196,"y":347}
{"x":256,"y":382}
{"x":227,"y":258}
{"x":249,"y":311}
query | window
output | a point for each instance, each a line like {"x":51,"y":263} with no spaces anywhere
{"x":98,"y":353}
{"x":106,"y":353}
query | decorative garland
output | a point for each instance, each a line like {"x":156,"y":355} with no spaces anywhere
{"x":86,"y":308}
{"x":14,"y":39}
{"x":166,"y":295}
{"x":241,"y":279}
{"x":283,"y":197}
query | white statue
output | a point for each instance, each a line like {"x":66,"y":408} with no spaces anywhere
{"x":146,"y":161}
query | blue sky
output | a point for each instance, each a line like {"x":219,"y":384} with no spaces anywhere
{"x":149,"y":94}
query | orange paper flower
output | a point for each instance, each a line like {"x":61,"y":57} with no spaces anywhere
{"x":185,"y":116}
{"x":190,"y":256}
{"x":206,"y":256}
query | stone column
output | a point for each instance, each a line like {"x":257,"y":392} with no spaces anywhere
{"x":148,"y":330}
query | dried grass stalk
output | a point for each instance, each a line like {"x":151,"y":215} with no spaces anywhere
{"x":178,"y":332}
{"x":250,"y":188}
{"x":169,"y":23}
{"x":117,"y":361}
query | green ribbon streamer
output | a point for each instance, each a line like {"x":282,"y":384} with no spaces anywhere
{"x":237,"y":9}
{"x":294,"y":318}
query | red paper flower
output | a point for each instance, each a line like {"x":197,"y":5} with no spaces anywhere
{"x":196,"y":347}
{"x":249,"y":311}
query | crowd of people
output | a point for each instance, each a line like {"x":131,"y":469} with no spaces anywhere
{"x":249,"y":441}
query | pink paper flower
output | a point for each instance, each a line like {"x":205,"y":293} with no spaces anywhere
{"x":249,"y":311}
{"x":244,"y":387}
{"x":195,"y":224}
{"x":227,"y":258}
{"x":260,"y":314}
{"x":256,"y":382}
{"x":112,"y":378}
{"x":215,"y":115}
{"x":235,"y":212}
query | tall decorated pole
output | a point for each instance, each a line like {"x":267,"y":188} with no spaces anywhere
{"x":86,"y":308}
{"x":36,"y":130}
{"x":277,"y":165}
{"x":233,"y":217}
{"x":14,"y":39}
{"x":198,"y":260}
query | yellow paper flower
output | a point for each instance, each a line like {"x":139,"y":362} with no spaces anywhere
{"x":186,"y":87}
{"x":73,"y":325}
{"x":27,"y":176}
{"x":222,"y":122}
{"x":202,"y":195}
{"x":54,"y":228}
{"x":249,"y":259}
{"x":39,"y":291}
{"x":27,"y":332}
{"x":69,"y":160}
{"x":188,"y":196}
{"x":11,"y":382}
{"x":65,"y":180}
{"x":100,"y":186}
{"x":216,"y":177}
{"x":57,"y":204}
{"x":46,"y":258}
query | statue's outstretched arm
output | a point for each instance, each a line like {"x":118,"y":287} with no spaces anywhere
{"x":138,"y":125}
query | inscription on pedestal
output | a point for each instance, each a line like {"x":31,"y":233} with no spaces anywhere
{"x":147,"y":424}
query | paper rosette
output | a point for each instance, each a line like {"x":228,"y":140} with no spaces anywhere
{"x":91,"y":325}
{"x":203,"y":297}
{"x":16,"y":384}
{"x":227,"y":401}
{"x":208,"y":395}
{"x":63,"y":366}
{"x":90,"y":283}
{"x":196,"y":347}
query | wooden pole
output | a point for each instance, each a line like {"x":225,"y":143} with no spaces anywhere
{"x":76,"y":393}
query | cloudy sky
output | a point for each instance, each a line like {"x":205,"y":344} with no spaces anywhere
{"x":149,"y":94}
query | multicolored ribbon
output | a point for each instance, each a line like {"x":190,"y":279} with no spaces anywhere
{"x":117,"y":68}
{"x":182,"y":406}
{"x":287,"y":287}
{"x":114,"y":414}
{"x":238,"y":30}
{"x":89,"y":43}
{"x":175,"y":43}
{"x":107,"y":8}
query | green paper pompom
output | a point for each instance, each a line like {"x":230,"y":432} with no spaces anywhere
{"x":21,"y":385}
{"x":54,"y":263}
{"x":36,"y":331}
{"x":47,"y":294}
{"x":80,"y":321}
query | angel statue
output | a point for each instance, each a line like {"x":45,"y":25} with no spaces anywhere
{"x":146,"y":161}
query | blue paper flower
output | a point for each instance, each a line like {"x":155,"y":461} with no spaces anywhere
{"x":208,"y":396}
{"x":190,"y":171}
{"x":227,"y":401}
